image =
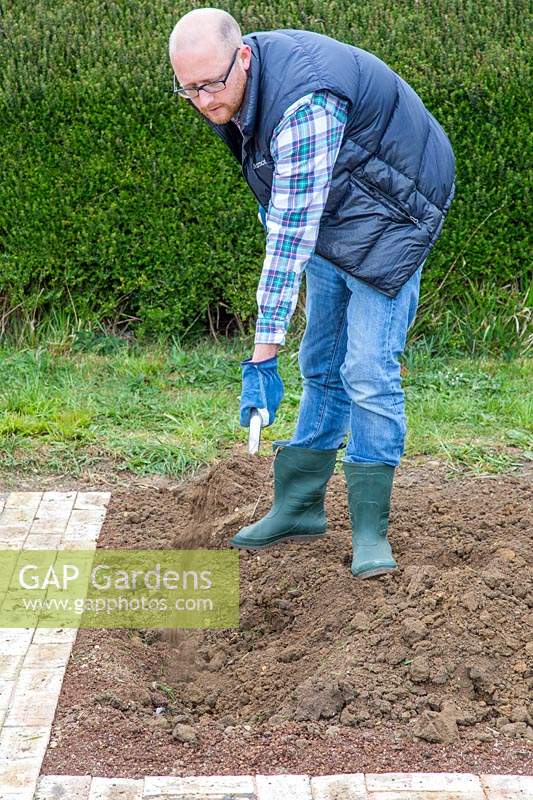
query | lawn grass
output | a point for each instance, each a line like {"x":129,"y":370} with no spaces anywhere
{"x":81,"y":401}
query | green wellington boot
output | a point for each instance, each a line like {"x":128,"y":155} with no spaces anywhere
{"x":369,"y":493}
{"x":300,"y":480}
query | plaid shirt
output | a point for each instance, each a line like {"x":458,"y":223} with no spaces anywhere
{"x":304,"y":147}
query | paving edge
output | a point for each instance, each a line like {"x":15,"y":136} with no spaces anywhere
{"x":357,"y":786}
{"x":33,"y":660}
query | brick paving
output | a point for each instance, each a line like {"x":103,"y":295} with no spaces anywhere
{"x":33,"y":660}
{"x":32,"y":667}
{"x":388,"y":786}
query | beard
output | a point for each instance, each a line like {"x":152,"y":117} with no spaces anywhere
{"x":220,"y":115}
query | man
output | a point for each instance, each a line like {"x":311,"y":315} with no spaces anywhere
{"x":354,"y":178}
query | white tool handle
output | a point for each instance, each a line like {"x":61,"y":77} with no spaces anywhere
{"x":254,"y":435}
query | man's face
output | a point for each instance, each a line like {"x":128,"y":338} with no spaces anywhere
{"x":195,"y":68}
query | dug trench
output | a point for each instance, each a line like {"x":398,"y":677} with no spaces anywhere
{"x":426,"y":669}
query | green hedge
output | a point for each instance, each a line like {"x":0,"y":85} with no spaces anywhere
{"x":116,"y":201}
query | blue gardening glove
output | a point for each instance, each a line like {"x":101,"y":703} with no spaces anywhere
{"x":261,"y":215}
{"x":262,"y":388}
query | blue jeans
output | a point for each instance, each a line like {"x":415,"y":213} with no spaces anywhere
{"x":349,"y":360}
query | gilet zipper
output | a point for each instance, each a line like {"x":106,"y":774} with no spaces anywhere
{"x":388,"y":200}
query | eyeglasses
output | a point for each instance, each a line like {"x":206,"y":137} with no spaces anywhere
{"x":212,"y":88}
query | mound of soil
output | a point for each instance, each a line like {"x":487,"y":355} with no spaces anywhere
{"x":429,"y":668}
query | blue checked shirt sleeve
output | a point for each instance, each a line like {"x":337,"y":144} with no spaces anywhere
{"x":304,"y":147}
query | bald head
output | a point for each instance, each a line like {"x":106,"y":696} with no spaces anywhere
{"x":205,"y":27}
{"x":205,"y":48}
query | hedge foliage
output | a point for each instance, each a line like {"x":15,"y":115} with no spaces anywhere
{"x":117,"y":201}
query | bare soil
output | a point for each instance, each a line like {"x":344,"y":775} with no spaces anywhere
{"x":427,"y":669}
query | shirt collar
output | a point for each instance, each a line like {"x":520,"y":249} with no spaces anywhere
{"x":236,"y":118}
